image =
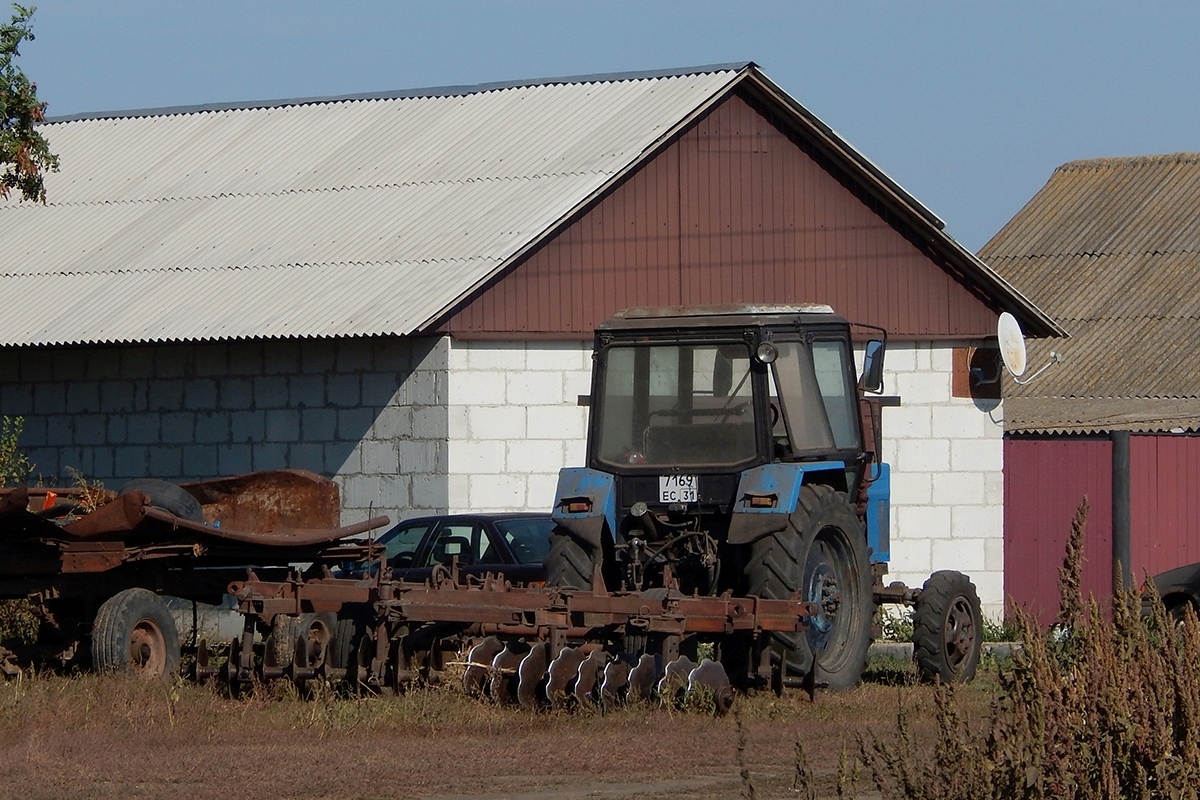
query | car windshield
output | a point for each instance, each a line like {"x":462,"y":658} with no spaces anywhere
{"x":676,"y":405}
{"x":528,"y":538}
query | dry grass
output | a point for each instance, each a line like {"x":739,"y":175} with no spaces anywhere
{"x":111,"y":736}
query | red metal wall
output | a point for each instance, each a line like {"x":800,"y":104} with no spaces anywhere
{"x":734,"y":210}
{"x":1044,"y":481}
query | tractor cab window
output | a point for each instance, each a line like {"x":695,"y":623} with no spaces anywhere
{"x":833,"y":366}
{"x":676,"y":405}
{"x":804,"y":421}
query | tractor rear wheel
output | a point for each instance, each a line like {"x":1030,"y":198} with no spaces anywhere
{"x":569,"y":563}
{"x":822,"y":554}
{"x":947,"y":628}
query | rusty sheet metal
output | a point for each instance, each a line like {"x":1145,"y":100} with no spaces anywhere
{"x":269,"y":500}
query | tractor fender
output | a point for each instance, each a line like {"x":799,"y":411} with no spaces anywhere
{"x":593,"y":494}
{"x":767,"y":495}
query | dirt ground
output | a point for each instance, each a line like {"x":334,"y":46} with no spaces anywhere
{"x":111,"y":737}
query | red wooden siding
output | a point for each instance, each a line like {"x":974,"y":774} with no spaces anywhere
{"x":1044,"y":480}
{"x":735,"y":210}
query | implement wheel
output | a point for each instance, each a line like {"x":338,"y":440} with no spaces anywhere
{"x":947,"y":628}
{"x":822,"y":554}
{"x":134,"y":632}
{"x":569,"y":563}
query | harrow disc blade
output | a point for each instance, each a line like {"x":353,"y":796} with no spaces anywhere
{"x":561,"y":676}
{"x":588,"y":677}
{"x":616,"y":681}
{"x":675,"y":679}
{"x":479,"y":661}
{"x":531,"y":675}
{"x":710,"y":678}
{"x":642,"y":679}
{"x":503,"y":683}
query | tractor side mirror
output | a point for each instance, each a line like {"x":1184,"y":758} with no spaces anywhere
{"x":872,"y":373}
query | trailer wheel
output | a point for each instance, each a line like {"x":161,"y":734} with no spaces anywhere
{"x":822,"y":554}
{"x":168,"y":497}
{"x":134,"y":632}
{"x":326,"y":640}
{"x":569,"y":563}
{"x":947,"y":628}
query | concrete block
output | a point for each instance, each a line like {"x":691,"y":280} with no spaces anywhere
{"x":912,"y":488}
{"x":977,"y":455}
{"x":433,"y":422}
{"x":307,"y":456}
{"x":908,"y":422}
{"x":246,"y":358}
{"x":199,"y":461}
{"x":354,"y":356}
{"x":557,"y":422}
{"x":282,"y":357}
{"x":235,"y":394}
{"x":137,"y":362}
{"x":380,"y":389}
{"x":922,"y":455}
{"x":415,"y":456}
{"x":477,"y":389}
{"x":574,"y":452}
{"x":50,"y":398}
{"x":354,"y":423}
{"x":473,"y":457}
{"x":958,"y":488}
{"x":558,"y":356}
{"x":234,"y":459}
{"x":270,"y":392}
{"x":540,"y":489}
{"x":100,"y":364}
{"x":380,"y":457}
{"x":117,"y":431}
{"x":269,"y":455}
{"x":306,"y":391}
{"x":993,"y":554}
{"x":212,"y":427}
{"x":923,"y":388}
{"x":318,"y":356}
{"x":283,"y":425}
{"x":166,"y":462}
{"x":342,"y":458}
{"x":166,"y":395}
{"x":172,"y":361}
{"x":575,"y":384}
{"x":318,"y":424}
{"x":426,"y":388}
{"x":454,"y":419}
{"x":993,"y":485}
{"x":360,"y":492}
{"x":116,"y":396}
{"x":131,"y":462}
{"x":211,"y":360}
{"x":497,"y":492}
{"x":102,"y":464}
{"x":500,"y":356}
{"x":539,"y":455}
{"x":990,"y":587}
{"x":17,"y":399}
{"x":44,"y":461}
{"x":899,"y":358}
{"x":178,"y":427}
{"x":496,"y":422}
{"x":964,"y":555}
{"x":960,"y":421}
{"x":83,"y":396}
{"x":534,"y":388}
{"x":200,"y":394}
{"x":248,"y":426}
{"x":920,"y":522}
{"x":392,"y":356}
{"x":909,"y":557}
{"x":392,"y":422}
{"x":145,"y":428}
{"x":984,"y":522}
{"x":434,"y":494}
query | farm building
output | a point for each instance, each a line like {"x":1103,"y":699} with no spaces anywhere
{"x":1111,"y":248}
{"x":399,"y":290}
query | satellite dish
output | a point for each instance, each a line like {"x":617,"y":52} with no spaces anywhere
{"x":1012,"y":344}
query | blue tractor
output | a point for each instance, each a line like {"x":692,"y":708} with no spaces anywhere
{"x":728,"y":454}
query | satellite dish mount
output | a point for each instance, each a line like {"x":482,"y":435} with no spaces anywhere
{"x":1012,"y":349}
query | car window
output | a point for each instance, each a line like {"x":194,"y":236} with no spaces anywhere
{"x":463,"y":540}
{"x":528,"y":539}
{"x":401,"y":542}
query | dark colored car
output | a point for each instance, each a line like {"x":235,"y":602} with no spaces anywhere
{"x":1179,"y":588}
{"x":513,"y":544}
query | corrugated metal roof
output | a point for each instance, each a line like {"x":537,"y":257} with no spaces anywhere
{"x":1110,"y":247}
{"x":363,"y":215}
{"x":168,"y":227}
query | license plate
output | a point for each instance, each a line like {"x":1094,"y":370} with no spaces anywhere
{"x":678,"y":489}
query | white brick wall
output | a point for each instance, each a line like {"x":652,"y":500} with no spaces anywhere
{"x":947,"y":457}
{"x":521,"y":421}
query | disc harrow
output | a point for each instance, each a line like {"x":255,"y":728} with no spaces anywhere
{"x":538,"y":647}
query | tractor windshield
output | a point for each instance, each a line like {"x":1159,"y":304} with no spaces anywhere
{"x":675,"y":405}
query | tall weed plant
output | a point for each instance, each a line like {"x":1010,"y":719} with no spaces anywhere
{"x":14,"y":466}
{"x":1101,"y":706}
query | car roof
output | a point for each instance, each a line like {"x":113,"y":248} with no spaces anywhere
{"x":495,"y":517}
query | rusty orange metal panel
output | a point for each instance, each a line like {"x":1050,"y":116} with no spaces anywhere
{"x":1044,"y":482}
{"x":734,"y":210}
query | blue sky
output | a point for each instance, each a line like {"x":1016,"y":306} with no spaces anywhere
{"x":970,"y":106}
